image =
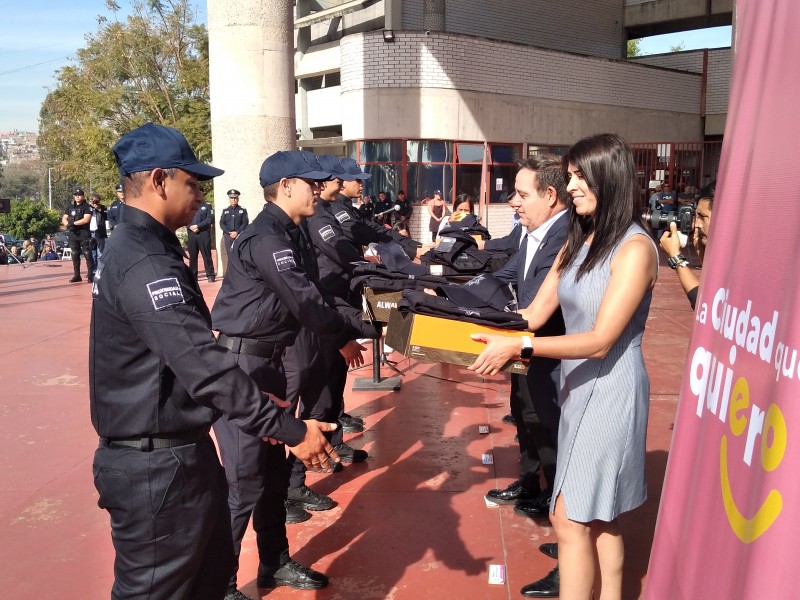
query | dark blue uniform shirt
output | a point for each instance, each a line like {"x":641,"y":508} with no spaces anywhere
{"x":276,"y":254}
{"x":233,"y":218}
{"x":204,"y":217}
{"x":154,"y":364}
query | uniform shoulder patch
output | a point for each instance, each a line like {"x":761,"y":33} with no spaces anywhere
{"x":326,"y":233}
{"x":165,"y":293}
{"x":342,"y":216}
{"x":284,"y":260}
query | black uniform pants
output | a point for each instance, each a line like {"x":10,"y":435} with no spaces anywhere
{"x":531,"y":399}
{"x":336,"y":370}
{"x":306,"y":386}
{"x":169,"y":521}
{"x":81,"y":243}
{"x":200,"y":241}
{"x":257,"y":476}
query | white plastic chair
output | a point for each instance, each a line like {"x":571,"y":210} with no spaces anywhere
{"x":67,"y":255}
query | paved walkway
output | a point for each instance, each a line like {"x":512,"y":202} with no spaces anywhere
{"x":411,"y":523}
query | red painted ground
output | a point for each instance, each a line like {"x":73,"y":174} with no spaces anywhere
{"x":411,"y":522}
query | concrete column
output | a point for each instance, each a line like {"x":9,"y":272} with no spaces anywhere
{"x":303,"y":8}
{"x":251,"y":77}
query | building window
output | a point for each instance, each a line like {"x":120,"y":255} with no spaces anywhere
{"x":421,"y":167}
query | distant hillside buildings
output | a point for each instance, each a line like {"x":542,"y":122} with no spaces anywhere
{"x":18,"y":146}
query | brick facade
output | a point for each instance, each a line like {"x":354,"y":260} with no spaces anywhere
{"x":719,"y":72}
{"x":452,"y":61}
{"x":571,"y":25}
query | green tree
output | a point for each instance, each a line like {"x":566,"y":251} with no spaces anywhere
{"x":679,"y":47}
{"x":153,"y":66}
{"x":634,"y":48}
{"x":29,"y":218}
{"x":21,"y":180}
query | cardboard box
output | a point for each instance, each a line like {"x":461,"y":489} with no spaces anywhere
{"x":377,"y":305}
{"x":436,"y":339}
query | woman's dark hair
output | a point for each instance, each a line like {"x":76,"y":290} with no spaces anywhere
{"x":606,"y":163}
{"x":461,"y":198}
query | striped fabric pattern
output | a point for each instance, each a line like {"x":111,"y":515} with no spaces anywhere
{"x":604,"y":406}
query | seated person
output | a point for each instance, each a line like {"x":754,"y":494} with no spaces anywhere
{"x":49,"y":254}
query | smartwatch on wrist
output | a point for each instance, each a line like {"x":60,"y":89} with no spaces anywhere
{"x":527,"y":348}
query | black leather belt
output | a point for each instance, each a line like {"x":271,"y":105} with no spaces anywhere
{"x":252,"y":347}
{"x":147,"y":443}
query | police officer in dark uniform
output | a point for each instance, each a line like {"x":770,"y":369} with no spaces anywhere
{"x":77,"y":220}
{"x":267,"y":292}
{"x":115,"y":210}
{"x":200,"y":239}
{"x":158,"y":379}
{"x":383,"y":206}
{"x":233,"y":219}
{"x":358,"y":230}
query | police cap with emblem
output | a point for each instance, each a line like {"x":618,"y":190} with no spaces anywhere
{"x":154,"y":146}
{"x":119,"y":188}
{"x":233,"y":193}
{"x":351,"y":167}
{"x":287,"y":164}
{"x":77,"y":192}
{"x":332,"y":164}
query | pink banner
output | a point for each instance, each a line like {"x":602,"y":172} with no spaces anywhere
{"x":729,"y":521}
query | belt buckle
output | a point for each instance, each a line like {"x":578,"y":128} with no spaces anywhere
{"x":146,"y":444}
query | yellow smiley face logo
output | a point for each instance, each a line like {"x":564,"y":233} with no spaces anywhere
{"x":773,"y":448}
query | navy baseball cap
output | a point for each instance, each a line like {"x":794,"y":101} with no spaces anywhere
{"x":78,"y":192}
{"x":333,"y":166}
{"x":119,"y":188}
{"x":395,"y":259}
{"x":351,"y":168}
{"x":154,"y":146}
{"x":286,"y":164}
{"x":482,"y":291}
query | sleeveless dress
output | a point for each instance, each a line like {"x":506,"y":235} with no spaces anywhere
{"x":433,"y":224}
{"x":604,"y":404}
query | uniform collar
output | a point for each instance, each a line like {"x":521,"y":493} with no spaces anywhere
{"x":134,"y":215}
{"x":280,"y":216}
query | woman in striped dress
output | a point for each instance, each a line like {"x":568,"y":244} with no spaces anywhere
{"x":603,"y":281}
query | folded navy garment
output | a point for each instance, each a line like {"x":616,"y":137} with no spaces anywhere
{"x":482,"y":291}
{"x":381,"y":279}
{"x":420,"y":303}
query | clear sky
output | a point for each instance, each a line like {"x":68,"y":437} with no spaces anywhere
{"x":40,"y":36}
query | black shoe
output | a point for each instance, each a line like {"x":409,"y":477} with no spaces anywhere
{"x":537,"y":508}
{"x":76,"y":279}
{"x":212,"y":278}
{"x":511,"y":494}
{"x":348,"y":454}
{"x":236,"y":595}
{"x":351,"y":424}
{"x":353,"y":418}
{"x":294,"y":575}
{"x":509,"y":418}
{"x":550,"y":550}
{"x":295,"y":514}
{"x":546,"y":587}
{"x":308,"y":499}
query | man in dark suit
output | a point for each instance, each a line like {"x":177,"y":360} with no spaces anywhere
{"x":509,"y":243}
{"x":543,"y":198}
